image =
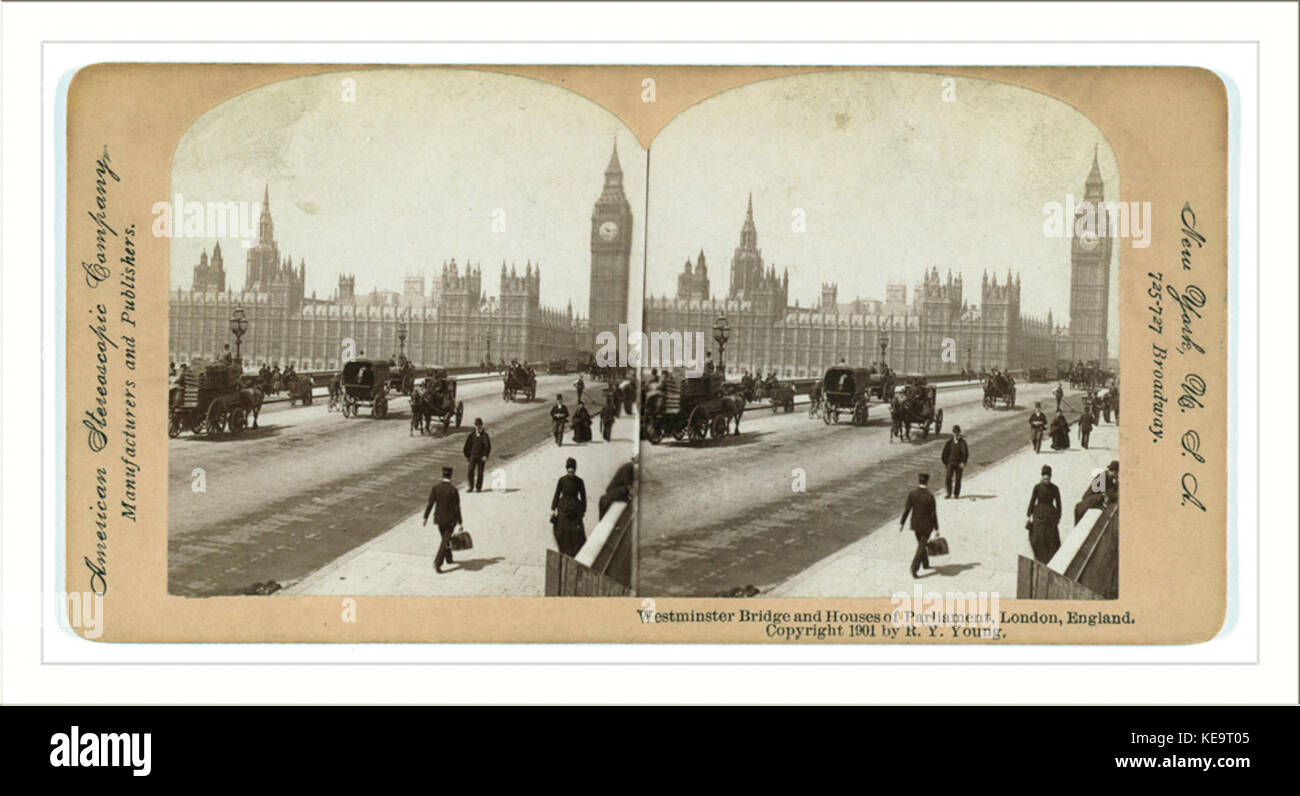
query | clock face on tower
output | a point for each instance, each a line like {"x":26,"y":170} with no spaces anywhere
{"x":609,"y":231}
{"x":1088,"y":242}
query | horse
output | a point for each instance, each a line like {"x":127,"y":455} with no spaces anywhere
{"x":900,"y":427}
{"x":733,"y":408}
{"x":421,"y":414}
{"x":250,"y":398}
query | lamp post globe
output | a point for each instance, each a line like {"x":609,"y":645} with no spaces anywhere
{"x":721,"y":332}
{"x":238,"y":326}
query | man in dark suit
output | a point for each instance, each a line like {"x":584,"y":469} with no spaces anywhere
{"x":1037,"y":425}
{"x":1086,"y":422}
{"x":559,"y":419}
{"x":477,"y":447}
{"x":607,"y":414}
{"x":925,"y":519}
{"x":955,"y":455}
{"x":447,"y":516}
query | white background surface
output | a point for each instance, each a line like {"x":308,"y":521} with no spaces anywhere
{"x":1254,"y":662}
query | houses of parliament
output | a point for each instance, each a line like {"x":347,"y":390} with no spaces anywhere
{"x":453,"y":322}
{"x":767,"y":334}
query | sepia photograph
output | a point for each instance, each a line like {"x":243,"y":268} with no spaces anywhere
{"x":908,"y":283}
{"x":382,"y":382}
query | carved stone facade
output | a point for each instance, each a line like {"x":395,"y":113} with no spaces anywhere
{"x":769,"y":335}
{"x":453,"y":324}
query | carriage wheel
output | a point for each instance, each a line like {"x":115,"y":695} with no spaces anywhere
{"x":653,"y":431}
{"x":719,"y":427}
{"x":174,"y":427}
{"x":216,"y":418}
{"x":379,"y":409}
{"x":460,"y":412}
{"x":697,"y":427}
{"x":860,"y":414}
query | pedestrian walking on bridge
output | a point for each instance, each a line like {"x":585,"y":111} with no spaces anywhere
{"x":444,"y":502}
{"x":920,"y":506}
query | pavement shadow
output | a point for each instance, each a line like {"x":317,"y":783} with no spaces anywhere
{"x":473,"y":564}
{"x":729,"y":441}
{"x":975,"y":497}
{"x":951,"y":570}
{"x":263,"y":431}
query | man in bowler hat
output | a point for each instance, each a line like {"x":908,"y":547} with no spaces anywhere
{"x":444,"y":502}
{"x":955,"y":455}
{"x":478,"y":445}
{"x":925,"y":519}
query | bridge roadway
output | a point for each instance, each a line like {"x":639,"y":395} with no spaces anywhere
{"x":720,"y":517}
{"x":308,"y":485}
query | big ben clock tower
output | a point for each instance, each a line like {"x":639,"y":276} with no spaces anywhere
{"x":611,"y":249}
{"x":1090,"y":275}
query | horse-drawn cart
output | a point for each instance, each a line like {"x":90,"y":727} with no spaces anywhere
{"x":849,"y":390}
{"x":435,"y":399}
{"x":519,"y":379}
{"x":914,"y":404}
{"x":401,"y":376}
{"x":1000,"y":387}
{"x":691,"y":408}
{"x":207,"y":399}
{"x":299,"y":388}
{"x":365,"y":383}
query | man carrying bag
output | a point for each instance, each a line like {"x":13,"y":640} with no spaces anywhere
{"x":445,"y":498}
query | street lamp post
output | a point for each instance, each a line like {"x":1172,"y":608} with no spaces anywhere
{"x":970,"y":359}
{"x":720,"y":334}
{"x":238,"y":326}
{"x":489,"y":349}
{"x":884,"y":345}
{"x":401,"y":340}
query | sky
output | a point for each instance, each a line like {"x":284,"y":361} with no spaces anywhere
{"x":891,"y":179}
{"x":409,"y":175}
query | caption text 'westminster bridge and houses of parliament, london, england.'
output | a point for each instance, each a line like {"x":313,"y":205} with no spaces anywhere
{"x":456,"y":323}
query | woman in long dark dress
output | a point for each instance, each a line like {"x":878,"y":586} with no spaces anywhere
{"x":581,"y":424}
{"x":1043,"y":515}
{"x":1060,"y":433}
{"x":567,"y":510}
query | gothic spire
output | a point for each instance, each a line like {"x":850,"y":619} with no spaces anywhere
{"x":613,"y":167}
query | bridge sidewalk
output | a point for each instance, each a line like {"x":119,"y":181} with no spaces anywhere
{"x":510,"y":526}
{"x":985,"y":529}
